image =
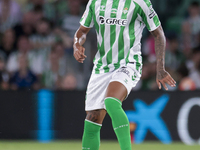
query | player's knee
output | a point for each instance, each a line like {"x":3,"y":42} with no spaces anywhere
{"x":91,"y":129}
{"x":93,"y":116}
{"x":112,"y":104}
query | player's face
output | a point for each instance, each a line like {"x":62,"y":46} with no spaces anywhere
{"x":42,"y":27}
{"x":194,"y":11}
{"x":23,"y":44}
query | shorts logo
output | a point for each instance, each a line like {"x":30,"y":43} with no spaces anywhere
{"x":124,"y":70}
{"x":126,"y":81}
{"x":125,"y":11}
{"x":112,"y":21}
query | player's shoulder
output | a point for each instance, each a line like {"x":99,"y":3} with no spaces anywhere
{"x":143,"y":3}
{"x":92,"y":2}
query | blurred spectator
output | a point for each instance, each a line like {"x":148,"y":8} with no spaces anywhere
{"x":8,"y":43}
{"x":149,"y":48}
{"x":51,"y":77}
{"x":41,"y":43}
{"x":48,"y":9}
{"x":44,"y":38}
{"x":10,"y":14}
{"x":185,"y":82}
{"x":61,"y":9}
{"x":27,"y":25}
{"x":23,"y":45}
{"x":149,"y":76}
{"x":191,"y":27}
{"x":65,"y":64}
{"x":69,"y":82}
{"x":71,"y":20}
{"x":194,"y":60}
{"x":195,"y":68}
{"x":38,"y":14}
{"x":23,"y":78}
{"x":22,"y":2}
{"x":62,"y":36}
{"x":173,"y":56}
{"x":57,"y":66}
{"x":4,"y":76}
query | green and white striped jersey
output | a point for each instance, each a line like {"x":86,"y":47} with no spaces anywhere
{"x":119,"y":25}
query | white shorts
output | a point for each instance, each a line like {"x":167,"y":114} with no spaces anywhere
{"x":98,"y":84}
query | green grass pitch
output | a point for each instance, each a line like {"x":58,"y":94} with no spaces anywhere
{"x":76,"y":145}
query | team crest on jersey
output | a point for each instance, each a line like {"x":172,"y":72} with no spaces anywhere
{"x":125,"y":11}
{"x":102,"y":8}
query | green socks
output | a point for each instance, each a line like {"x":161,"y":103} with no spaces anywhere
{"x":91,"y":136}
{"x":119,"y":121}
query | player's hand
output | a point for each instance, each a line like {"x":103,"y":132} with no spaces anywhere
{"x":164,"y":77}
{"x":79,"y":52}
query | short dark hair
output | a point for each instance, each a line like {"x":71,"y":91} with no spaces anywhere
{"x":194,"y":4}
{"x":196,"y":50}
{"x":59,"y":43}
{"x":37,"y":8}
{"x":183,"y":70}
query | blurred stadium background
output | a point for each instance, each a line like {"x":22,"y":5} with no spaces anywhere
{"x":43,"y":87}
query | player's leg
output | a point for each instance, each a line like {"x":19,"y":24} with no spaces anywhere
{"x":92,"y":126}
{"x":115,"y":94}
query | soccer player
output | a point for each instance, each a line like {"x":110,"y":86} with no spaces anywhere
{"x":118,"y":62}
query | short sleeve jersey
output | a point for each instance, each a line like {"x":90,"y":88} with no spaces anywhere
{"x":119,"y":25}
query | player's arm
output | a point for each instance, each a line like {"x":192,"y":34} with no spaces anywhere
{"x":163,"y":76}
{"x":79,"y":40}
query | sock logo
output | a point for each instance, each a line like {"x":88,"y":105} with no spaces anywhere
{"x":85,"y":148}
{"x":124,"y":70}
{"x":126,"y":125}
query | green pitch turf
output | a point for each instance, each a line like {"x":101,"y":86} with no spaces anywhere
{"x":76,"y":145}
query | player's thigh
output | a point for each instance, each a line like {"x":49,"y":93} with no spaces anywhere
{"x":96,"y":116}
{"x":123,"y":80}
{"x":117,"y":90}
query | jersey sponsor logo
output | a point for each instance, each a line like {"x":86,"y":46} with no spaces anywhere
{"x":125,"y":11}
{"x":102,"y":8}
{"x":113,"y":10}
{"x":112,"y":21}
